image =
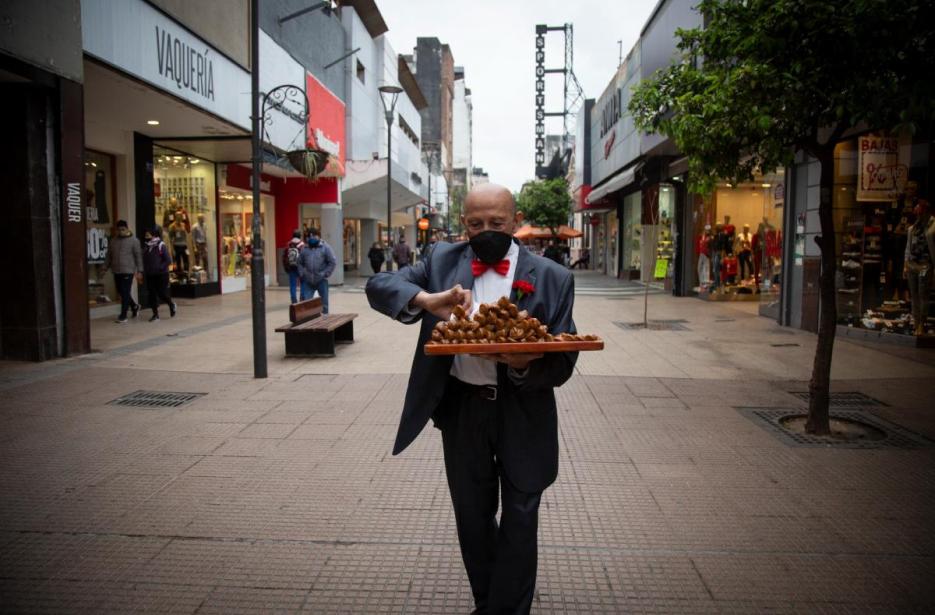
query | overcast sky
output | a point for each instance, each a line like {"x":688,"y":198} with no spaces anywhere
{"x":494,"y":40}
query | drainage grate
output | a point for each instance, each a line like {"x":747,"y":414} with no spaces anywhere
{"x":845,"y":400}
{"x":789,"y":345}
{"x":896,"y":436}
{"x":654,"y":325}
{"x":724,"y":320}
{"x":156,"y":399}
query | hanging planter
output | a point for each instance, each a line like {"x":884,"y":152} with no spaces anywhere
{"x":309,"y":162}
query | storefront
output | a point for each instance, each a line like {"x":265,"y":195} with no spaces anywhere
{"x":160,"y":111}
{"x":736,"y":242}
{"x":99,"y":193}
{"x":879,"y":182}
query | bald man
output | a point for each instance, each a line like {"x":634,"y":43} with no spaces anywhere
{"x":496,"y":413}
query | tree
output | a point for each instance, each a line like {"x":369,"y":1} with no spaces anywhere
{"x":458,"y":194}
{"x":766,"y":78}
{"x":545,"y":203}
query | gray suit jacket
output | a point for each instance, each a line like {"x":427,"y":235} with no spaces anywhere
{"x":529,"y":446}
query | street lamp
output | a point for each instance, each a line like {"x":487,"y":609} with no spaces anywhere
{"x":388,"y":96}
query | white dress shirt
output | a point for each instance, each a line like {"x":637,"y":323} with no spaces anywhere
{"x":488,"y":288}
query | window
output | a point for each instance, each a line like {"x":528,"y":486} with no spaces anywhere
{"x":360,"y":71}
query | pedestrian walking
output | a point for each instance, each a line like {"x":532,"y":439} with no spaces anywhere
{"x":156,"y":261}
{"x":125,"y":260}
{"x":497,"y":415}
{"x":402,"y":256}
{"x":376,"y":257}
{"x":316,"y":264}
{"x":290,"y":262}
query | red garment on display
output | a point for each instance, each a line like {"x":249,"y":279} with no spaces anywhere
{"x":730,"y":265}
{"x":729,"y":229}
{"x":773,"y":243}
{"x":703,"y":245}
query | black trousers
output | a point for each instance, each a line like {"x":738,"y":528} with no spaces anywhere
{"x":500,"y":559}
{"x":157,"y":286}
{"x":181,"y":259}
{"x":124,"y":283}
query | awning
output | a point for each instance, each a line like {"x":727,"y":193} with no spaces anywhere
{"x":622,"y":180}
{"x":529,"y":231}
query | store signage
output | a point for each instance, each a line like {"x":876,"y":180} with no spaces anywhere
{"x":73,"y":202}
{"x":882,"y":178}
{"x":540,"y":97}
{"x":609,"y":144}
{"x":138,"y":39}
{"x":187,"y":66}
{"x":326,"y":124}
{"x":98,"y":243}
{"x":610,"y":112}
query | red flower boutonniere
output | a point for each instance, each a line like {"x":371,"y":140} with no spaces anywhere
{"x":523,"y":288}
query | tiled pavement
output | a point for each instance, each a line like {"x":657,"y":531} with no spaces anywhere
{"x":281,"y":495}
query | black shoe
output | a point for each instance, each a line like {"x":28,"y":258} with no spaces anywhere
{"x":154,"y":317}
{"x":135,"y":310}
{"x":173,"y":308}
{"x":121,"y":320}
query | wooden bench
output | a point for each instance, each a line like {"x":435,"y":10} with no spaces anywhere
{"x":313,"y":334}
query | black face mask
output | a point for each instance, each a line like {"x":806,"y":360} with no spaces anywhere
{"x":491,"y":246}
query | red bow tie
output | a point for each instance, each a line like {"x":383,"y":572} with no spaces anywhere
{"x":479,"y":267}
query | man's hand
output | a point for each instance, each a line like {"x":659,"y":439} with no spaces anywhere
{"x":441,"y":304}
{"x":139,"y":277}
{"x":518,"y":361}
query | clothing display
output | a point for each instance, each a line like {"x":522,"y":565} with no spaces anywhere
{"x":869,"y":294}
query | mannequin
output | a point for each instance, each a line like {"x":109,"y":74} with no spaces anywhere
{"x":758,"y":245}
{"x":729,"y":230}
{"x":897,"y":219}
{"x":919,"y":262}
{"x":743,"y":248}
{"x":703,"y":248}
{"x":717,"y":248}
{"x":200,"y":240}
{"x":179,"y":236}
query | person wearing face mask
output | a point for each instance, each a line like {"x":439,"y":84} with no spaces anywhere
{"x":316,"y":264}
{"x":496,"y":413}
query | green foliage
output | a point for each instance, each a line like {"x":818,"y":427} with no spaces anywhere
{"x":767,"y":77}
{"x":545,"y":203}
{"x":458,"y":194}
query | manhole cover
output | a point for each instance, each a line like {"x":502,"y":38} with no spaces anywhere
{"x":156,"y":399}
{"x":893,"y":435}
{"x":654,"y":325}
{"x":845,"y":400}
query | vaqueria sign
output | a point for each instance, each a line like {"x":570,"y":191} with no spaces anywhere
{"x":187,"y":66}
{"x":138,"y":39}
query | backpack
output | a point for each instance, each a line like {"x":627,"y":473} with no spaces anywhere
{"x":290,"y":257}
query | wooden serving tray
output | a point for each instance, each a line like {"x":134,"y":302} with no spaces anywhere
{"x":512,"y":347}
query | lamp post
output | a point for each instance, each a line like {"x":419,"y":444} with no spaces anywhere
{"x":388,"y":96}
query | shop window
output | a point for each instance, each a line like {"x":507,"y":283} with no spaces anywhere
{"x":879,"y":180}
{"x":351,"y":243}
{"x":184,"y":189}
{"x":360,"y":72}
{"x":99,"y":185}
{"x":237,"y":232}
{"x":737,"y":241}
